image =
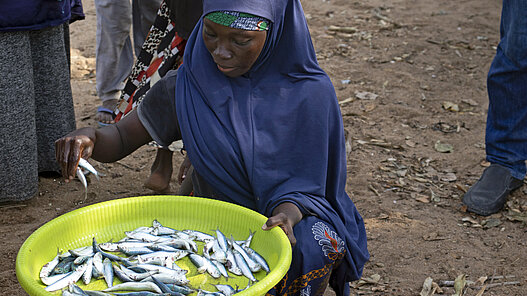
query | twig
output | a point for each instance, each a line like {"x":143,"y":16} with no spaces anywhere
{"x":374,"y":190}
{"x":496,"y":285}
{"x":12,"y":206}
{"x":378,"y":15}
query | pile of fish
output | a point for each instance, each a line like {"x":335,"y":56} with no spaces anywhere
{"x":146,"y":263}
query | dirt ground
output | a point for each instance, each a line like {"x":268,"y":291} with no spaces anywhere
{"x":411,"y":79}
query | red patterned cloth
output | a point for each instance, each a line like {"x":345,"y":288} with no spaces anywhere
{"x":162,"y":51}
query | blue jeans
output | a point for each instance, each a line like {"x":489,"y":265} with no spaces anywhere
{"x":506,"y":133}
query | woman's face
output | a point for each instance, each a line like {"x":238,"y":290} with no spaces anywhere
{"x":234,"y":50}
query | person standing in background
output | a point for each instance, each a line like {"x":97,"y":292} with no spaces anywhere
{"x":114,"y":52}
{"x":162,"y":51}
{"x":506,"y":133}
{"x":36,"y":104}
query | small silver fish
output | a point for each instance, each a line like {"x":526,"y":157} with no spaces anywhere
{"x":82,"y":178}
{"x":227,"y":290}
{"x":246,"y":271}
{"x":108,"y":272}
{"x":72,"y":277}
{"x":222,"y":240}
{"x":98,"y":267}
{"x":254,"y":266}
{"x":46,"y":270}
{"x":135,"y":286}
{"x":231,"y":263}
{"x":258,"y":259}
{"x":86,"y":277}
{"x":86,"y":165}
{"x":200,"y":236}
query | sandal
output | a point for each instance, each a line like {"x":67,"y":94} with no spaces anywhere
{"x":108,"y":111}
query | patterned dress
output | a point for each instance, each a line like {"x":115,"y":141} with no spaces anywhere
{"x":162,"y":51}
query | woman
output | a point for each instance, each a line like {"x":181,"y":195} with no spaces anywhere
{"x":36,"y":104}
{"x":262,"y":127}
{"x":161,"y":52}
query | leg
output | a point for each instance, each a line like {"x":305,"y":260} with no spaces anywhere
{"x":54,"y":115}
{"x":161,"y":171}
{"x":506,"y":133}
{"x":185,"y":177}
{"x":144,"y":14}
{"x":18,"y":136}
{"x":315,"y":256}
{"x":113,"y":53}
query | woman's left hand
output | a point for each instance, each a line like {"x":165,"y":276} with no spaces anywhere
{"x":286,"y":215}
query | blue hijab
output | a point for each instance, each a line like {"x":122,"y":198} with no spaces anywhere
{"x":274,"y":134}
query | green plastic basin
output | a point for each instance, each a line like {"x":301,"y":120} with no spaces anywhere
{"x":109,"y":220}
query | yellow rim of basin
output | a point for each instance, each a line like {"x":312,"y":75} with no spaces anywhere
{"x":108,"y":220}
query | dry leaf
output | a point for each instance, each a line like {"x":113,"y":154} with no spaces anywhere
{"x":421,"y":198}
{"x":470,"y":102}
{"x":449,"y":177}
{"x":427,"y":287}
{"x":410,"y":143}
{"x":443,"y":147}
{"x":364,"y":95}
{"x":450,"y":106}
{"x":459,"y":285}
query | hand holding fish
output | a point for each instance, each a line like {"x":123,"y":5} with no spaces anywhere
{"x":71,"y":148}
{"x":286,"y":215}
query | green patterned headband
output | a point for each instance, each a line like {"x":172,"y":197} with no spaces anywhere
{"x":239,"y":20}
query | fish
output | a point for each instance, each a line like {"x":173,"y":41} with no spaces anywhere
{"x":82,"y":251}
{"x":136,"y":276}
{"x":122,"y":276}
{"x":50,"y":279}
{"x":132,"y":251}
{"x":64,"y":266}
{"x":72,"y":277}
{"x":46,"y":270}
{"x":219,"y":253}
{"x":180,"y":289}
{"x":207,"y":247}
{"x":108,"y":272}
{"x":207,"y":293}
{"x":254,"y":266}
{"x":244,"y":267}
{"x":231,"y":263}
{"x":82,"y":178}
{"x":222,"y":240}
{"x":96,"y":293}
{"x":226,"y":290}
{"x":203,"y":264}
{"x":135,"y":286}
{"x":221,"y":268}
{"x":258,"y":259}
{"x":86,"y":277}
{"x":98,"y":268}
{"x":86,"y":165}
{"x":76,"y":290}
{"x":170,"y":278}
{"x":200,"y":236}
{"x":247,"y":242}
{"x":159,"y":229}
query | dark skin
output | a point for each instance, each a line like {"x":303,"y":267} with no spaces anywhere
{"x":234,"y":51}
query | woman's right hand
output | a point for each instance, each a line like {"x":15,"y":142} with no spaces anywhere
{"x":70,"y":148}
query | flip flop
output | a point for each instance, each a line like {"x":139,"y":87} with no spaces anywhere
{"x":105,"y":110}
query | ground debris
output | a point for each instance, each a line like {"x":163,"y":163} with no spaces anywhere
{"x":443,"y":147}
{"x":371,"y":283}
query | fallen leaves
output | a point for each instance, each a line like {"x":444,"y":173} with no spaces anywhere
{"x":443,"y":147}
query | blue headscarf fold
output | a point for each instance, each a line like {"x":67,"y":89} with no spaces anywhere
{"x":274,"y":134}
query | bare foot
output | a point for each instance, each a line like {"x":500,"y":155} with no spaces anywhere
{"x":105,"y":116}
{"x":161,"y":172}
